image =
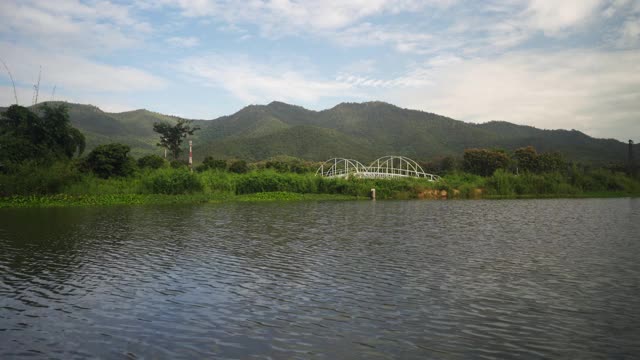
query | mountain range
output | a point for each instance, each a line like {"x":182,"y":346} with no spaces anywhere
{"x":362,"y":131}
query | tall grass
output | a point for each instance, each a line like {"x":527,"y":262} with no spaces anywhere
{"x":33,"y":178}
{"x":64,"y":178}
{"x":171,"y":182}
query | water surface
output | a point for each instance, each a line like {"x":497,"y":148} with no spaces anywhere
{"x":326,"y":280}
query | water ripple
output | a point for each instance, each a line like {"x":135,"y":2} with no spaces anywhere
{"x":357,"y":280}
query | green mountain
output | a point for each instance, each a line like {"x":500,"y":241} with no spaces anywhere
{"x":369,"y":130}
{"x":362,"y":131}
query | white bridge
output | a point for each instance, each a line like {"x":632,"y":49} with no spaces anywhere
{"x":383,"y":168}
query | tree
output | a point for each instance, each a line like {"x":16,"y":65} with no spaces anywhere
{"x":152,"y":162}
{"x":526,"y":158}
{"x":551,"y":162}
{"x":110,"y":160}
{"x":239,"y":167}
{"x":209,"y":163}
{"x":25,"y":135}
{"x":171,"y":136}
{"x":61,"y":134}
{"x":484,"y":162}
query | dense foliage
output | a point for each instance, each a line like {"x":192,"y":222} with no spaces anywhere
{"x":152,"y":162}
{"x":239,"y":167}
{"x":359,"y":131}
{"x":209,"y":163}
{"x":484,"y":162}
{"x":110,"y":160}
{"x":38,"y":149}
{"x":41,"y":137}
{"x":528,"y":159}
{"x":64,"y":178}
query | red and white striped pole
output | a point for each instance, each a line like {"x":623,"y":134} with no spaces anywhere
{"x":190,"y":155}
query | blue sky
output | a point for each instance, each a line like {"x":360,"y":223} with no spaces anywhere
{"x":572,"y":64}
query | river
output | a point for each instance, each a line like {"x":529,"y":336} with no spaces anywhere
{"x":323,"y":280}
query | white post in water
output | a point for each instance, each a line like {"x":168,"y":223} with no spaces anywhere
{"x":190,"y":155}
{"x":373,"y":194}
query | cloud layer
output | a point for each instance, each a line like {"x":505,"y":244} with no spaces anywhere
{"x":567,"y":64}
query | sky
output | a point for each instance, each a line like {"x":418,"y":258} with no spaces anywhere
{"x":570,"y":64}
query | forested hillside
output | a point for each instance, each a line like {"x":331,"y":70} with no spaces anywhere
{"x":363,"y":131}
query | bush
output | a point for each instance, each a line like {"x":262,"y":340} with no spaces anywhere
{"x":502,"y":183}
{"x":152,"y":162}
{"x":172,"y":182}
{"x":484,"y":162}
{"x":209,"y":163}
{"x":292,"y":165}
{"x":179,"y":164}
{"x":110,"y":160}
{"x":33,"y":178}
{"x":239,"y":167}
{"x":45,"y":135}
{"x":218,"y":181}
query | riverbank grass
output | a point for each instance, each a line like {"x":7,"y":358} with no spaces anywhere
{"x":179,"y":186}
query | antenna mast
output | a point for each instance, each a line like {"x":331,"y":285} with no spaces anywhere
{"x":53,"y":92}
{"x":36,"y":87}
{"x":15,"y":94}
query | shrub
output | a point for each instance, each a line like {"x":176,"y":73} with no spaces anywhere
{"x":110,"y":160}
{"x":172,"y":181}
{"x":209,"y":163}
{"x":179,"y":164}
{"x":502,"y":183}
{"x":152,"y":162}
{"x":218,"y":181}
{"x":239,"y":167}
{"x":33,"y":178}
{"x":484,"y":162}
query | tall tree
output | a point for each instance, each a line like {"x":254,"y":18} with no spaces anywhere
{"x":26,"y":135}
{"x":172,"y":136}
{"x":484,"y":162}
{"x":526,"y":159}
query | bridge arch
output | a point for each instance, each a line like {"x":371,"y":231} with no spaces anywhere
{"x":339,"y":167}
{"x":382,"y":168}
{"x":398,"y":166}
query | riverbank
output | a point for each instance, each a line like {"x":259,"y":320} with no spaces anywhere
{"x":179,"y":186}
{"x":64,"y":200}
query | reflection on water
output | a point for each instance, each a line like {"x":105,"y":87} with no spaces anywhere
{"x":405,"y":279}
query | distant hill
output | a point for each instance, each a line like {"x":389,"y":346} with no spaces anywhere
{"x":369,"y":130}
{"x":363,"y":131}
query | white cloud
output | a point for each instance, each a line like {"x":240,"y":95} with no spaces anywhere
{"x":279,"y":17}
{"x":75,"y":73}
{"x":254,"y":82}
{"x":629,"y":33}
{"x":187,"y":42}
{"x":25,"y":94}
{"x":593,"y":91}
{"x":71,"y":24}
{"x":553,"y":17}
{"x":370,"y":34}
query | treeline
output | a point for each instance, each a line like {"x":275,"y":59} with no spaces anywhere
{"x":41,"y":154}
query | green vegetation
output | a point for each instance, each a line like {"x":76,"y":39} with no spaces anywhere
{"x":172,"y":135}
{"x":41,"y":138}
{"x":152,"y":162}
{"x":61,"y":185}
{"x":361,"y":131}
{"x":484,"y":162}
{"x":110,"y":160}
{"x":48,"y":173}
{"x":209,"y":163}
